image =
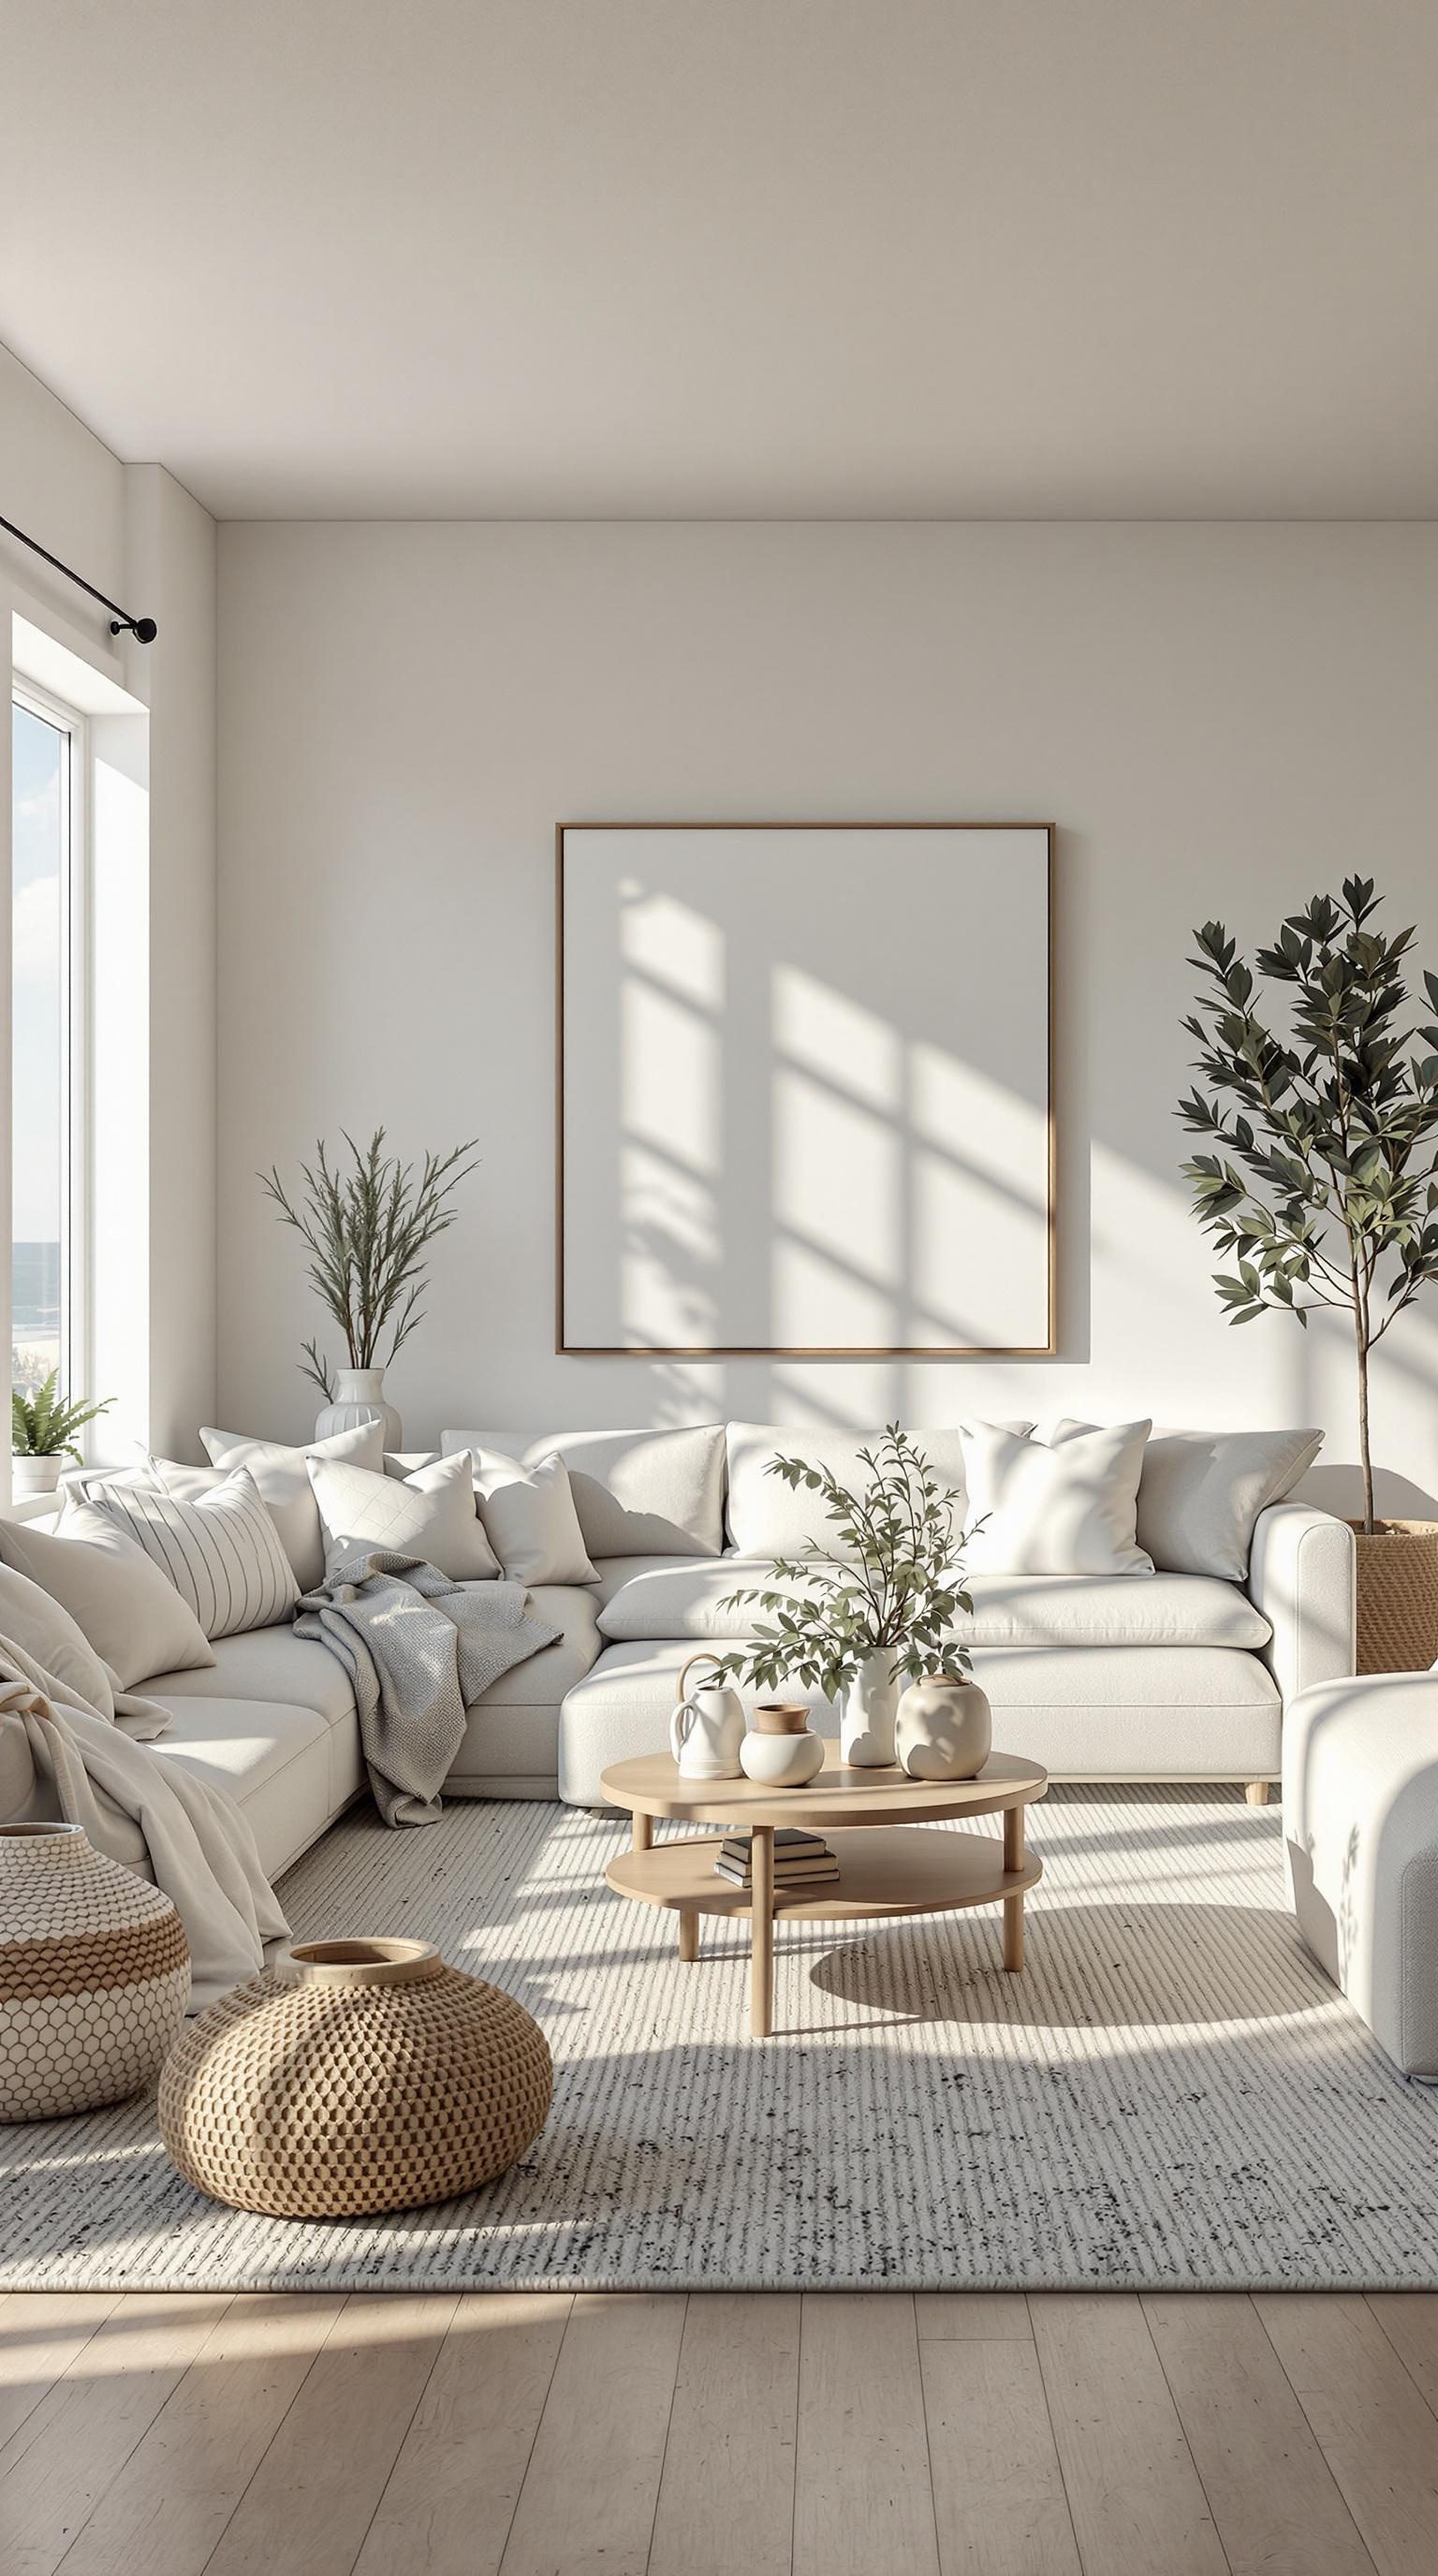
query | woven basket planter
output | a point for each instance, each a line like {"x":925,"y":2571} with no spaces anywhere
{"x":359,"y":2076}
{"x":94,"y":1975}
{"x":1397,"y":1597}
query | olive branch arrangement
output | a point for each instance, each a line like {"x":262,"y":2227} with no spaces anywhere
{"x":367,"y":1229}
{"x":894,"y":1580}
{"x":1325,"y":1182}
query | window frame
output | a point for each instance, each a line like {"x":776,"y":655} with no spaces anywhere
{"x":75,"y":1051}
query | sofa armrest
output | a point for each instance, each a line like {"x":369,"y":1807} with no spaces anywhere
{"x":1302,"y":1576}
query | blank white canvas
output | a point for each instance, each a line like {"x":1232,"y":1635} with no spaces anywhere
{"x":806,"y":1089}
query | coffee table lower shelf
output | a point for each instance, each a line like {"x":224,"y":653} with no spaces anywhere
{"x":883,"y":1870}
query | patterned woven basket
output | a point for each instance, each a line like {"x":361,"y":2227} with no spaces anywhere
{"x":359,"y":2076}
{"x":94,"y":1974}
{"x":1397,"y":1596}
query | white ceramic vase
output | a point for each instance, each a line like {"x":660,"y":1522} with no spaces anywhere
{"x":706,"y":1730}
{"x":866,"y":1714}
{"x":781,"y":1750}
{"x":359,"y":1397}
{"x":943,"y":1730}
{"x":94,"y":1974}
{"x":30,"y":1475}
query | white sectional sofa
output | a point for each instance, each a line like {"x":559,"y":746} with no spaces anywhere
{"x":1169,"y":1676}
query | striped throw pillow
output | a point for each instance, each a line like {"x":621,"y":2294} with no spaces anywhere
{"x":220,"y":1551}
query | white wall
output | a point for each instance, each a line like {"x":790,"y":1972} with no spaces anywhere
{"x":136,"y":533}
{"x":1221,"y":720}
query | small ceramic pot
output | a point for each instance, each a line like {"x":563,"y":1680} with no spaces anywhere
{"x":30,"y":1475}
{"x":781,"y":1751}
{"x":359,"y":1397}
{"x":943,"y":1730}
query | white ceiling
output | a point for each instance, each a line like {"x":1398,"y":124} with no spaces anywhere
{"x":694,"y":258}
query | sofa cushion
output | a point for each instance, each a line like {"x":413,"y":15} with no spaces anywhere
{"x":221,"y":1551}
{"x":266,"y":1664}
{"x":43,"y":1629}
{"x":128,"y":1610}
{"x":275,"y":1761}
{"x":768,"y":1518}
{"x":659,"y":1597}
{"x":429,"y":1513}
{"x":542,"y":1680}
{"x":1201,"y":1492}
{"x":281,"y":1475}
{"x":637,"y":1493}
{"x":1060,"y":1502}
{"x":1085,"y":1712}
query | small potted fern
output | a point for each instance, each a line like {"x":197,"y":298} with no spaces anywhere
{"x":876,"y":1610}
{"x":42,"y":1435}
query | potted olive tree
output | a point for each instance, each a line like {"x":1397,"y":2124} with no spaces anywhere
{"x":367,"y":1220}
{"x":875,"y":1610}
{"x":1322,"y":1188}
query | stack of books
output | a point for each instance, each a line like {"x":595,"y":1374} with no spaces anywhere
{"x":800,"y":1859}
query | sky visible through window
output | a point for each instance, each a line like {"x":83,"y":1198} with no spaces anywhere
{"x":41,"y":752}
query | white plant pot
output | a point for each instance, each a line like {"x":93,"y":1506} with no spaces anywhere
{"x":943,"y":1730}
{"x":359,"y":1397}
{"x":782,"y":1761}
{"x":30,"y":1475}
{"x":866,"y":1714}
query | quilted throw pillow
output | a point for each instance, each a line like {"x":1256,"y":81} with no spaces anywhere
{"x":220,"y":1551}
{"x":429,"y":1514}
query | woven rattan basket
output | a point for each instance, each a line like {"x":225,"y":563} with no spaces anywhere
{"x":359,"y":2076}
{"x":1397,"y":1597}
{"x":94,"y":1974}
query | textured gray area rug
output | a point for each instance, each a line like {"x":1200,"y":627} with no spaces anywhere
{"x":1170,"y":2096}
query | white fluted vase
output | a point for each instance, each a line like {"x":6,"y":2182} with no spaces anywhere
{"x":359,"y":1397}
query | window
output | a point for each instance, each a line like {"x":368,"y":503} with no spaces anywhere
{"x":47,"y":1036}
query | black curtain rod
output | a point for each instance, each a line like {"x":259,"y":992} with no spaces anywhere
{"x":143,"y":629}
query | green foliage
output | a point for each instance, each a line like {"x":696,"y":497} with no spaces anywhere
{"x":366,"y":1230}
{"x":1323,"y":1188}
{"x":894,"y":1580}
{"x":43,"y":1425}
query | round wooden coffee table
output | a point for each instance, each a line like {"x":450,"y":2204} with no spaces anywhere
{"x":873,"y":1821}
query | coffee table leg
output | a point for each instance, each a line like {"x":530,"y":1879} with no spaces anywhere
{"x":1013,"y":1905}
{"x":761,"y":1970}
{"x":688,"y":1934}
{"x":643,"y":1834}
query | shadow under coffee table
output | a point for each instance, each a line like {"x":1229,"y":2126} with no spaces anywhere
{"x":874,"y":1820}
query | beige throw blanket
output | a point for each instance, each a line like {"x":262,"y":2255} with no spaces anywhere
{"x":202,"y":1852}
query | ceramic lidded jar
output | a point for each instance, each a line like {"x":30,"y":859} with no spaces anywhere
{"x":781,"y":1750}
{"x":943,"y":1730}
{"x":94,"y":1974}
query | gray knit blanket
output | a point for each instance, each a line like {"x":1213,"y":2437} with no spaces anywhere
{"x":419,"y":1651}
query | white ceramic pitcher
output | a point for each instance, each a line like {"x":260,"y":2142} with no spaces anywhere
{"x":707,"y":1727}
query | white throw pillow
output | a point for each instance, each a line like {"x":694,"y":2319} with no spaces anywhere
{"x":36,"y":1622}
{"x":769,"y":1518}
{"x":221,"y":1551}
{"x":430,"y":1514}
{"x":636,"y":1493}
{"x":530,"y":1517}
{"x":1202,"y":1491}
{"x":281,"y":1476}
{"x":129,"y":1611}
{"x":1055,"y":1506}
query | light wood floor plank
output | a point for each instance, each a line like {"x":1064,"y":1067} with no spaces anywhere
{"x":972,"y":2316}
{"x":42,"y":2335}
{"x":587,"y":2504}
{"x":862,"y":2497}
{"x":168,"y":2508}
{"x":1379,"y":2437}
{"x":1268,"y":2485}
{"x":450,"y":2500}
{"x":999,"y":2498}
{"x":1133,"y":2491}
{"x":66,"y":2458}
{"x":308,"y":2506}
{"x":727,"y":2496}
{"x":1409,"y":2319}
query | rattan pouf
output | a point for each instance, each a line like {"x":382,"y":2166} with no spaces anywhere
{"x":94,"y":1974}
{"x":359,"y":2076}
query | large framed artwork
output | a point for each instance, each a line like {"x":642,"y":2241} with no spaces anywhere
{"x":805,"y":1090}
